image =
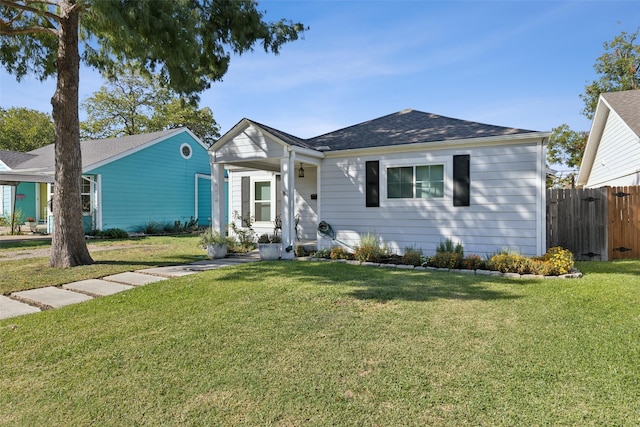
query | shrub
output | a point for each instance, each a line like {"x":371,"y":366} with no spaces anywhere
{"x":323,"y":253}
{"x":448,"y":246}
{"x":269,"y":238}
{"x":369,"y":250}
{"x":446,"y":260}
{"x":559,"y":260}
{"x":244,"y":233}
{"x":109,"y":233}
{"x":151,"y":227}
{"x":472,"y":262}
{"x":508,"y":263}
{"x":412,"y":256}
{"x":448,"y":255}
{"x":340,"y":253}
{"x":540,"y":267}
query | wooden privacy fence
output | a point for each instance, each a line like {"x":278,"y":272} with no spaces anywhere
{"x":595,"y":223}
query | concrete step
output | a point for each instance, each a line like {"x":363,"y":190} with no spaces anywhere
{"x":50,"y":297}
{"x":133,"y":278}
{"x":96,"y":287}
{"x":12,"y":308}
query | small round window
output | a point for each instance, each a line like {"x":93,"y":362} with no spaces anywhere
{"x":185,"y":151}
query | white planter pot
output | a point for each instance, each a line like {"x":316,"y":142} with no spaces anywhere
{"x":270,"y":251}
{"x":216,"y":251}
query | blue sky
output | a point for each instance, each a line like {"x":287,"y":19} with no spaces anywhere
{"x":510,"y":63}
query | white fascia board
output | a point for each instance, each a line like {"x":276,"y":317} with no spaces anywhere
{"x":593,"y":141}
{"x":126,"y":153}
{"x":536,"y":137}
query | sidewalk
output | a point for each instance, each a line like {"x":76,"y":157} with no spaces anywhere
{"x":35,"y":300}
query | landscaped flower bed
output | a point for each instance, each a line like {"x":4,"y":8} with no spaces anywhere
{"x":556,"y":263}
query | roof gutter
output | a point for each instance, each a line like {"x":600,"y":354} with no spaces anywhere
{"x":542,"y":137}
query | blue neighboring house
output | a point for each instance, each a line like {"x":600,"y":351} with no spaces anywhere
{"x":127,"y":182}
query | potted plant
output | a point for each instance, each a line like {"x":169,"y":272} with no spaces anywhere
{"x":215,"y":243}
{"x":270,"y":246}
{"x":32,"y":224}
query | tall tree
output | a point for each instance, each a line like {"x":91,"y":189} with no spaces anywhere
{"x":22,"y":129}
{"x":188,"y":43}
{"x":618,"y":69}
{"x":131,"y":103}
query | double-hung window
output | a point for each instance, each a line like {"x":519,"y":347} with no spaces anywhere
{"x":262,"y":201}
{"x":415,"y":182}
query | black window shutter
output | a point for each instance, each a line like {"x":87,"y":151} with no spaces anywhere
{"x":372,"y":181}
{"x":245,"y":196}
{"x":461,"y":179}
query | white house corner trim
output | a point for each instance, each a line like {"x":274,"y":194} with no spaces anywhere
{"x":541,"y":205}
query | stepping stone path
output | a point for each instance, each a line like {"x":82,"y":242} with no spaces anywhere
{"x":35,"y":300}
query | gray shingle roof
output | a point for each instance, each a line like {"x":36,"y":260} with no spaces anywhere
{"x":14,"y":158}
{"x":94,"y":151}
{"x":627,"y":104}
{"x":408,"y":127}
{"x":285,"y":137}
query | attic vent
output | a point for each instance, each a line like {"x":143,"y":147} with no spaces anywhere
{"x":323,"y":148}
{"x":185,"y":151}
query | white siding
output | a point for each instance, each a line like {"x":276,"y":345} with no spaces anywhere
{"x":617,"y":160}
{"x":249,"y":145}
{"x":504,"y":210}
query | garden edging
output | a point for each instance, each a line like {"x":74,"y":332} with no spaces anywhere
{"x":575,"y":274}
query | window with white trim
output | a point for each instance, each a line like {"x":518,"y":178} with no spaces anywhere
{"x":262,"y":201}
{"x":86,"y":192}
{"x":415,"y":182}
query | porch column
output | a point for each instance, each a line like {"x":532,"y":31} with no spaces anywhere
{"x":287,"y":169}
{"x":217,"y":198}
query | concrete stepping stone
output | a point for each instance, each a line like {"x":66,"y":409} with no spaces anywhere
{"x":12,"y":308}
{"x":96,"y":287}
{"x":169,"y":271}
{"x":133,"y":278}
{"x":51,"y":297}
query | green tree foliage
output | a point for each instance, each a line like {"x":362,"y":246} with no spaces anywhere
{"x":187,"y":43}
{"x":130,"y":104}
{"x":566,"y":146}
{"x":618,"y":68}
{"x":22,"y":129}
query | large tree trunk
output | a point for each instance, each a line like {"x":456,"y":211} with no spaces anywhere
{"x":68,"y":247}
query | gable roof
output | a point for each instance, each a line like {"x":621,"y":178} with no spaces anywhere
{"x":401,"y":128}
{"x":408,"y":127}
{"x":14,"y":158}
{"x":95,"y":152}
{"x":625,"y":104}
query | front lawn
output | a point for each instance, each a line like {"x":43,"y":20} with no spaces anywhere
{"x":308,"y":343}
{"x":31,"y":270}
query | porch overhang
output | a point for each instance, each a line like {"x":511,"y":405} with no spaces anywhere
{"x":13,"y":178}
{"x":250,"y":145}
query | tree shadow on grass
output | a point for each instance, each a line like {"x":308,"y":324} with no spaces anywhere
{"x":381,"y":284}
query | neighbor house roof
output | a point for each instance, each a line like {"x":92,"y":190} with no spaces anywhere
{"x":627,"y":105}
{"x":14,"y":158}
{"x":93,"y":152}
{"x":408,"y":127}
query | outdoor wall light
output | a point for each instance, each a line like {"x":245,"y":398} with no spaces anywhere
{"x":301,"y":172}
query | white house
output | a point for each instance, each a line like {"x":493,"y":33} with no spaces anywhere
{"x":411,"y":178}
{"x":612,"y":153}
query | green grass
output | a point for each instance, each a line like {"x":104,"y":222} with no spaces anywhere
{"x":110,"y":256}
{"x":292,"y":343}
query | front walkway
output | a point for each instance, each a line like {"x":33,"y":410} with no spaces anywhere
{"x":35,"y":300}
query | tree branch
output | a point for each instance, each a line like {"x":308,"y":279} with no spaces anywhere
{"x":29,"y":30}
{"x":14,"y":5}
